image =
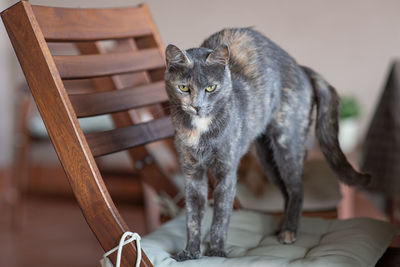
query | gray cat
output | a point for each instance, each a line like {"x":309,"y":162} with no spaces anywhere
{"x":237,"y":88}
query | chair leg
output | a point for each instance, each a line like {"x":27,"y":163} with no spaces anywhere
{"x":151,"y":209}
{"x":8,"y":195}
{"x":18,"y":176}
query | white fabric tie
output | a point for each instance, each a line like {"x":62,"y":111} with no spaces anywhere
{"x":105,"y":261}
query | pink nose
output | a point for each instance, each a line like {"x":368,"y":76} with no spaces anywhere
{"x":193,"y":110}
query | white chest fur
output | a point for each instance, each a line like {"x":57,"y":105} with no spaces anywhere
{"x":192,"y":136}
{"x":201,"y":124}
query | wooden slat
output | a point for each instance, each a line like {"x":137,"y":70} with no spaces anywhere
{"x":118,"y":100}
{"x":154,"y":174}
{"x":87,"y":66}
{"x":107,"y":142}
{"x":70,"y":24}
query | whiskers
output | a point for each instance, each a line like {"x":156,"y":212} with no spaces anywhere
{"x":167,"y":108}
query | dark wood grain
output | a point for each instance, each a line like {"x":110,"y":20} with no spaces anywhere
{"x":86,"y":66}
{"x":103,"y":143}
{"x":118,"y":100}
{"x":72,"y":24}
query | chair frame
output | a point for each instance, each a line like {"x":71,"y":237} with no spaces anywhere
{"x":29,"y":30}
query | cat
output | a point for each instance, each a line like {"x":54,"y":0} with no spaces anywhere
{"x":239,"y":87}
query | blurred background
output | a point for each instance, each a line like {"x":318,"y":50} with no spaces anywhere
{"x":351,"y":43}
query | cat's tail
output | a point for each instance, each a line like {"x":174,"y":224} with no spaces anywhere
{"x":327,"y":102}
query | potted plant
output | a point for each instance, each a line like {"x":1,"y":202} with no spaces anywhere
{"x":349,"y":114}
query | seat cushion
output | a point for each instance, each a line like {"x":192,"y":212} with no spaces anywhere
{"x":321,"y":191}
{"x":252,"y":242}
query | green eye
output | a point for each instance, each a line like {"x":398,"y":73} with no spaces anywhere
{"x":183,"y":88}
{"x":211,"y":88}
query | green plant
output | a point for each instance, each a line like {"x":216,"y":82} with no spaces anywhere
{"x":349,"y":108}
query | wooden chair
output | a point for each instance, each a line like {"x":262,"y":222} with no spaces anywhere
{"x":128,"y":84}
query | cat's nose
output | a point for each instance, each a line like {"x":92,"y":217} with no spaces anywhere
{"x":195,"y":109}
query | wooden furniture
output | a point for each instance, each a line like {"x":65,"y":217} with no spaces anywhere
{"x":126,"y":74}
{"x":128,"y":82}
{"x":37,"y":171}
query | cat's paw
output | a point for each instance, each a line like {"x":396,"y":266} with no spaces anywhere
{"x":286,"y":237}
{"x":186,"y":255}
{"x":214,"y":252}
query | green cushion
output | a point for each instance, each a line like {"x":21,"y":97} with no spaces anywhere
{"x":252,"y":242}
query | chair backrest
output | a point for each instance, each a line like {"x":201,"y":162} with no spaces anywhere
{"x":128,"y":84}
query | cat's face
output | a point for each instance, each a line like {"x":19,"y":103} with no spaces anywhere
{"x":198,"y":79}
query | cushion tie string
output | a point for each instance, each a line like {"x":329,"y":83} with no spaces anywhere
{"x":123,"y":242}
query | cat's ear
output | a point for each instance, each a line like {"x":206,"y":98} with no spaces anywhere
{"x":176,"y":56}
{"x":220,"y":55}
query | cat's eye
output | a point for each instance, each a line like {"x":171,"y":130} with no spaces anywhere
{"x":211,"y":88}
{"x":183,"y":88}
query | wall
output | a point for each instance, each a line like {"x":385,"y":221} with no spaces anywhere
{"x":7,"y":86}
{"x":350,"y":42}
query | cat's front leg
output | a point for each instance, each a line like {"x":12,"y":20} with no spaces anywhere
{"x":224,"y":194}
{"x":196,"y":198}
